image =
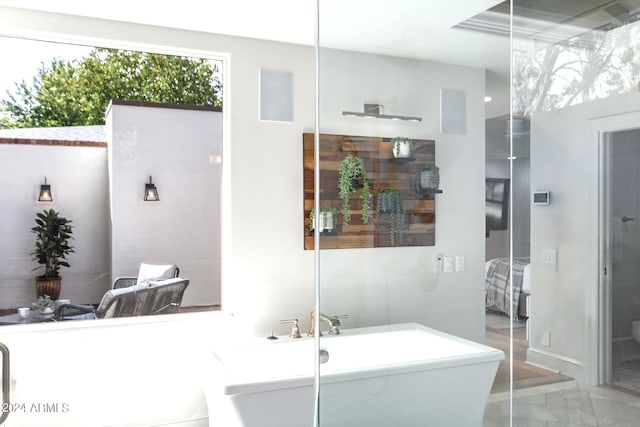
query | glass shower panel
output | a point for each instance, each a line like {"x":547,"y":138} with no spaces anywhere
{"x":575,"y":81}
{"x":401,"y":212}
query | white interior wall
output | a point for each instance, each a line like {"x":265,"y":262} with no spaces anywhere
{"x":78,"y":179}
{"x":564,"y":160}
{"x":267,"y":275}
{"x":391,"y":285}
{"x":178,"y":147}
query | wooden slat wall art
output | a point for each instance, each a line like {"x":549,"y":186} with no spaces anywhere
{"x":383,"y":171}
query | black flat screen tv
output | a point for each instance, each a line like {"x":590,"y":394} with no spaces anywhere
{"x":497,"y":204}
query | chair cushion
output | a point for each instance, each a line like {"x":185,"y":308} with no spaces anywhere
{"x":149,"y":272}
{"x":112,"y":293}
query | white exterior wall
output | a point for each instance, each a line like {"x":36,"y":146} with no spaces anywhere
{"x":78,"y":178}
{"x":178,"y":148}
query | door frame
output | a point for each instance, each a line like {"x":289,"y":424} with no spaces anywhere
{"x":602,"y":128}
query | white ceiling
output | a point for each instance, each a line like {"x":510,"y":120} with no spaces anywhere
{"x":407,"y":28}
{"x":281,"y":20}
{"x":421,"y":29}
{"x":413,"y":29}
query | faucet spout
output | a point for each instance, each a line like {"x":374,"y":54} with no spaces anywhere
{"x":333,"y":321}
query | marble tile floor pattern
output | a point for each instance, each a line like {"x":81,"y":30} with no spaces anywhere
{"x":565,"y":404}
{"x":627,"y":375}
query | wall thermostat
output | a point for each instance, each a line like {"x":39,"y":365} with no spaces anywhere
{"x":542,"y":197}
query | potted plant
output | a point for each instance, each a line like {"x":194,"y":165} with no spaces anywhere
{"x":402,"y":148}
{"x":53,"y":233}
{"x":327,"y":219}
{"x":390,"y":202}
{"x":353,"y":176}
{"x":44,"y":306}
{"x":428,"y":178}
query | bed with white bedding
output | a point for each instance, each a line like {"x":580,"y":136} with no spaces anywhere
{"x":498,"y":287}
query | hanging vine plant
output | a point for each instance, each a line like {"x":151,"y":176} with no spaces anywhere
{"x":389,"y":201}
{"x":353,"y":176}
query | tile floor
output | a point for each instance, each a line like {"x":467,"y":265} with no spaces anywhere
{"x":627,"y":375}
{"x":565,"y":404}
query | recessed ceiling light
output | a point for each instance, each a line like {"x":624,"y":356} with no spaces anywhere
{"x":487,"y":99}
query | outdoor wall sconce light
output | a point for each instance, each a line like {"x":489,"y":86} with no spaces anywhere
{"x":150,"y":192}
{"x":45,"y":192}
{"x":375,"y":111}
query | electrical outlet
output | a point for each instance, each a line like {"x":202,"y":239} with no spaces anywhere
{"x":460,"y":263}
{"x":545,"y":339}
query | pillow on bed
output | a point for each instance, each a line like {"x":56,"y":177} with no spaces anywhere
{"x":526,"y":276}
{"x":486,"y":267}
{"x":526,"y":279}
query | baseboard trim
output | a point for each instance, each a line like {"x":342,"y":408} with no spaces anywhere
{"x":556,"y":362}
{"x":622,"y":339}
{"x":540,"y":366}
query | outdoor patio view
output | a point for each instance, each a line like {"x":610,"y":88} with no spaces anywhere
{"x":86,"y":134}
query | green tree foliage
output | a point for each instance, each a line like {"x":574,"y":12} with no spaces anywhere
{"x":77,"y":92}
{"x":592,"y":65}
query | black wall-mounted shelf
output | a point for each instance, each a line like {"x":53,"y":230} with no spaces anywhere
{"x":402,"y":159}
{"x":429,"y":191}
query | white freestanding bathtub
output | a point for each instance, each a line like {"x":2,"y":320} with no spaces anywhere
{"x":396,"y":375}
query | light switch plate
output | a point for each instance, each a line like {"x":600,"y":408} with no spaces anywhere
{"x":448,"y":264}
{"x":549,"y":256}
{"x":460,"y":263}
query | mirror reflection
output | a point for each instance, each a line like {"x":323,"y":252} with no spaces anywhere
{"x":111,"y":166}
